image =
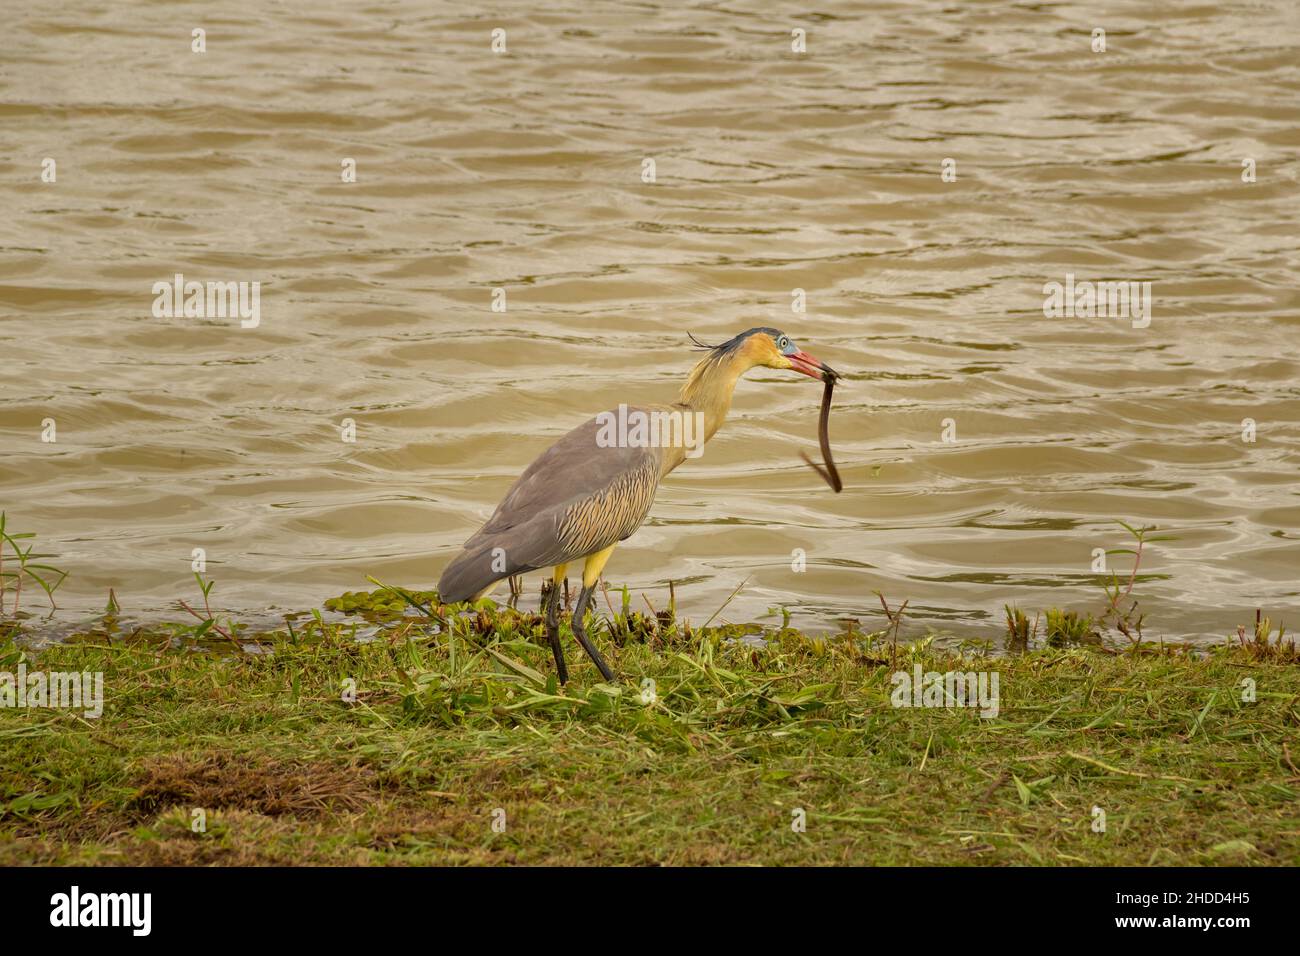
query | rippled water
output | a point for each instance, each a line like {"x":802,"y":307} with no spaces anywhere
{"x":774,"y":171}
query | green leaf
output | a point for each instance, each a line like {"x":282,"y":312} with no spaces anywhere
{"x":1233,"y":846}
{"x":1023,"y":789}
{"x":519,"y":668}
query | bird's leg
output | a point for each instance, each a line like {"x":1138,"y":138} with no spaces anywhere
{"x":580,"y":632}
{"x":551,"y":608}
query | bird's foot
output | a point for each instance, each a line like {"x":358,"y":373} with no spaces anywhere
{"x":551,"y":609}
{"x":580,"y":633}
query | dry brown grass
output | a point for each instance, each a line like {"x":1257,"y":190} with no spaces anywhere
{"x":219,"y":781}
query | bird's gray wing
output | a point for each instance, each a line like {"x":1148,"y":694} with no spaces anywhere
{"x":578,"y":497}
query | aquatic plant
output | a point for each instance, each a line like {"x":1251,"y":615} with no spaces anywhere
{"x":30,"y":567}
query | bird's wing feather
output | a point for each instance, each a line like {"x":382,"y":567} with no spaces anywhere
{"x":579,"y":497}
{"x":574,"y":467}
{"x":575,"y":495}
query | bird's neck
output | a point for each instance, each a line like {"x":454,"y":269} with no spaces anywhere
{"x":709,"y":390}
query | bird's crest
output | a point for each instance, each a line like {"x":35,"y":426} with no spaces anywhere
{"x":700,"y":346}
{"x":733,"y":343}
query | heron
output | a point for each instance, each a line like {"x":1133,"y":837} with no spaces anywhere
{"x":594,"y":487}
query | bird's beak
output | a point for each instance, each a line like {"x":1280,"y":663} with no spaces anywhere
{"x":812,"y":367}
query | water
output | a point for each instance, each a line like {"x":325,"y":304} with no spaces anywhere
{"x":775,"y":171}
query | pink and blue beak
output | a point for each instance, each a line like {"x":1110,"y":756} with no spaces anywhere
{"x":812,"y":367}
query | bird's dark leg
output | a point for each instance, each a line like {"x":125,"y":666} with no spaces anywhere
{"x":551,"y":608}
{"x":580,"y":632}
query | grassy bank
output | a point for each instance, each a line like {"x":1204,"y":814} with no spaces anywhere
{"x":458,"y":747}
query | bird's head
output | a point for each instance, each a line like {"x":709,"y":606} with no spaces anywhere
{"x":771,"y":348}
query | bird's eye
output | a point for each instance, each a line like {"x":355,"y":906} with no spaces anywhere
{"x":784,"y":342}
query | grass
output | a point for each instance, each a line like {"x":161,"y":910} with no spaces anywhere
{"x":416,"y":733}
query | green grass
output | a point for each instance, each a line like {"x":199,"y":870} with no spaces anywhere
{"x":456,"y":716}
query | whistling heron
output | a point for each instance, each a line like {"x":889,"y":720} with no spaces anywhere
{"x":586,"y":493}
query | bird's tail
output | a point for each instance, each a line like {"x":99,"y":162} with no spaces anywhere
{"x":474,"y":570}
